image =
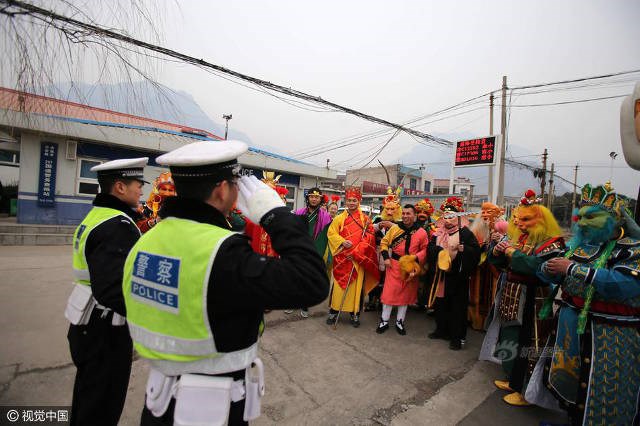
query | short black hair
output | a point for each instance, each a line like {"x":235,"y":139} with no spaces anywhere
{"x":195,"y":187}
{"x":410,"y":206}
{"x":106,"y":182}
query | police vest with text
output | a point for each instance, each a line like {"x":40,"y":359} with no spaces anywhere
{"x":165,"y":285}
{"x":95,"y":217}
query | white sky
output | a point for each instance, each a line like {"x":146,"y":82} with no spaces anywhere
{"x":403,"y":59}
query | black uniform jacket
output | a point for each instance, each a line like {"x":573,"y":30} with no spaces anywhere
{"x":243,"y":283}
{"x":106,"y":250}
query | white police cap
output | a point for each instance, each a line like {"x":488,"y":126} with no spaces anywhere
{"x":217,"y":159}
{"x":128,"y":168}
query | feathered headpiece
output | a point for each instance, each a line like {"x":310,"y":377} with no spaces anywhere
{"x":425,"y":206}
{"x":270,"y":178}
{"x":530,"y":198}
{"x":335,"y":198}
{"x":452,"y":204}
{"x":391,"y":203}
{"x":353,"y":192}
{"x":282,"y":191}
{"x":325,"y":199}
{"x":392,"y":198}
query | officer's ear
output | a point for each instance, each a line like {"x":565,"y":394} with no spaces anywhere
{"x":118,"y":188}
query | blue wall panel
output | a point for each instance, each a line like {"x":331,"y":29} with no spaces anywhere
{"x":61,"y":214}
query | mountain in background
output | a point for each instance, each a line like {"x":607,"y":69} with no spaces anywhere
{"x":517,"y":180}
{"x":163,"y":103}
{"x":144,"y":99}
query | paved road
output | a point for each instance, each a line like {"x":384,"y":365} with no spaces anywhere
{"x":314,"y":375}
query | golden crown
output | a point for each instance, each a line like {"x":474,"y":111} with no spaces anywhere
{"x":603,"y":196}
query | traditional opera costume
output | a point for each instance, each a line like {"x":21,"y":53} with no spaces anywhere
{"x":163,"y":187}
{"x":482,"y":289}
{"x":404,"y":249}
{"x":424,"y":211}
{"x":390,"y":214}
{"x":318,"y":220}
{"x":537,"y":237}
{"x":594,"y":369}
{"x":455,"y":253}
{"x":355,"y":263}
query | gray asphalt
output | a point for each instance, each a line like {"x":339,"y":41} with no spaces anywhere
{"x":314,"y":375}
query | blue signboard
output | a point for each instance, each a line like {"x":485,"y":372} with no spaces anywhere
{"x":47,"y":180}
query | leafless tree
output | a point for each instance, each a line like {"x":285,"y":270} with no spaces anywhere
{"x":51,"y":57}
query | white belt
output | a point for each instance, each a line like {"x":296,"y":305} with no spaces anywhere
{"x":162,"y":388}
{"x":81,"y":304}
{"x":117,"y":319}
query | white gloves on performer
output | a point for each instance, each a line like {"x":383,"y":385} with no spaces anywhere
{"x":256,"y":198}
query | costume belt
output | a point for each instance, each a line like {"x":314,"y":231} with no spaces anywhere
{"x":607,"y":308}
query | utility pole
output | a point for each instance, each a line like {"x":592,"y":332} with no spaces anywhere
{"x":490,"y":194}
{"x":226,"y":127}
{"x":551,"y":189}
{"x":575,"y":187}
{"x":503,"y":131}
{"x":543,"y":181}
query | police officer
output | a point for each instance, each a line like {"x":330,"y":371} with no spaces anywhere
{"x":195,"y":291}
{"x":99,"y":340}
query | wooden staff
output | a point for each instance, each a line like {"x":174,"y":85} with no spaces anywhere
{"x":346,"y":290}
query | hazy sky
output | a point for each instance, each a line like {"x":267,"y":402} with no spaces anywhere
{"x":404,"y":59}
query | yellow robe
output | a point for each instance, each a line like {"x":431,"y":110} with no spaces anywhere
{"x":353,"y":299}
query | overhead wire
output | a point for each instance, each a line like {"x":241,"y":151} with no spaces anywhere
{"x":81,"y":29}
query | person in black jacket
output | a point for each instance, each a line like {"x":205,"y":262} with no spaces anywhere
{"x":241,"y":283}
{"x":99,"y":341}
{"x":452,"y":287}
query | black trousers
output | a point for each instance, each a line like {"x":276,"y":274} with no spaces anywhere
{"x":451,"y":310}
{"x":102,"y":355}
{"x":236,"y":415}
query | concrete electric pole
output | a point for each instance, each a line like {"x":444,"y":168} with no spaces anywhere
{"x":490,"y":195}
{"x":575,"y":187}
{"x":226,"y":127}
{"x":503,"y":131}
{"x":543,"y":181}
{"x":551,"y":188}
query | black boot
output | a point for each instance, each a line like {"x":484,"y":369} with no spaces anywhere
{"x":331,"y":319}
{"x":355,"y":320}
{"x":438,"y":335}
{"x":455,"y":345}
{"x":400,"y":327}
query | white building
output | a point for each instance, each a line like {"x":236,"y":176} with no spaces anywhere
{"x":58,"y":142}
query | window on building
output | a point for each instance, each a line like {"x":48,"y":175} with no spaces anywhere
{"x":87,"y":181}
{"x":427,"y":186}
{"x":9,"y":157}
{"x":291,"y":196}
{"x":413,"y":183}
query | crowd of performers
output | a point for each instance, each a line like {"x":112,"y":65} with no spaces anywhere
{"x":561,"y":309}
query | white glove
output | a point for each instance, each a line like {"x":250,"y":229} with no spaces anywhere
{"x":256,"y":198}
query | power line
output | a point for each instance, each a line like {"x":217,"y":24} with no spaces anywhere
{"x":78,"y":30}
{"x":597,"y":77}
{"x":568,"y":102}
